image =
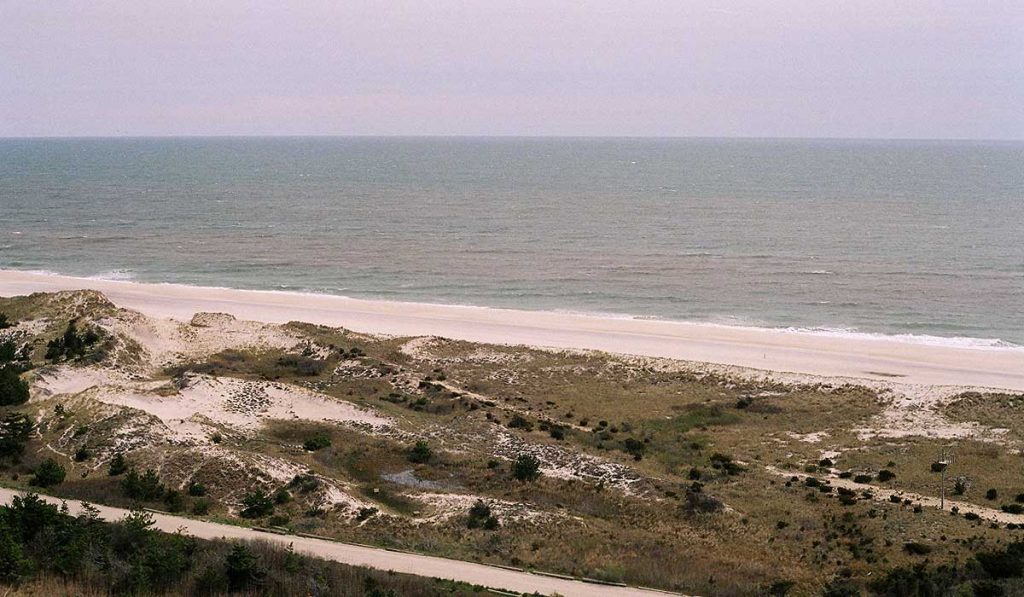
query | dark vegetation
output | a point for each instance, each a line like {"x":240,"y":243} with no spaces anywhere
{"x":994,"y":572}
{"x":73,"y":344}
{"x":42,"y":546}
{"x":317,"y":442}
{"x":480,"y":517}
{"x":13,"y":389}
{"x":526,"y":468}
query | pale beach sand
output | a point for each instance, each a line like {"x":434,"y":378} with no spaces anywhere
{"x":879,"y":359}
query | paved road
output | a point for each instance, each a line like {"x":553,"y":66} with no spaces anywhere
{"x":478,"y":574}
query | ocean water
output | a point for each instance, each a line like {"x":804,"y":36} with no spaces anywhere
{"x":923,"y":239}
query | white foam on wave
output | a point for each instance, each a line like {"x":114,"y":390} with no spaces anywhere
{"x":117,"y":275}
{"x":922,"y":339}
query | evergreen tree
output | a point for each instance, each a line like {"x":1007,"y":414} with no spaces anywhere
{"x":48,"y":474}
{"x":118,"y":465}
{"x":13,"y":389}
{"x":15,"y":429}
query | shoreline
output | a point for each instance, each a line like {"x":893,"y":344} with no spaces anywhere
{"x":877,"y":358}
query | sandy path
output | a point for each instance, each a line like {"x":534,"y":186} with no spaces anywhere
{"x":381,"y":559}
{"x":773,"y":350}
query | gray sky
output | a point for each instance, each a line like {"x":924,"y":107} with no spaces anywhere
{"x":815,"y":68}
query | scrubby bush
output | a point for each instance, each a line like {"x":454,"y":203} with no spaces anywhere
{"x":634,"y":448}
{"x":862,"y":478}
{"x":302,"y":365}
{"x":886,"y":475}
{"x":15,"y":430}
{"x":243,"y":568}
{"x":4,"y":321}
{"x":44,"y":551}
{"x":480,"y":517}
{"x":519,"y":422}
{"x":917,"y":549}
{"x":82,"y":454}
{"x":420,"y":453}
{"x":725,"y":463}
{"x":991,"y":494}
{"x":201,"y":507}
{"x":13,"y":389}
{"x":196,"y":489}
{"x":257,"y":505}
{"x":145,"y":487}
{"x":48,"y":474}
{"x":698,"y":502}
{"x":526,"y":468}
{"x":317,"y":442}
{"x":174,"y":500}
{"x":72,"y":344}
{"x":118,"y":465}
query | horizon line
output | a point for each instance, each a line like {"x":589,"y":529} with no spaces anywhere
{"x":504,"y":136}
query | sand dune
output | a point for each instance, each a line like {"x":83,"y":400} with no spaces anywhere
{"x":772,"y":350}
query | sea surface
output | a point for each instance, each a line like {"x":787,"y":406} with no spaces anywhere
{"x":922,"y":239}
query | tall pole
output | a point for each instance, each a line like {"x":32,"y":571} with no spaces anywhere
{"x":942,"y":489}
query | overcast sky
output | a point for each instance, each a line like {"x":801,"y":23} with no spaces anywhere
{"x":781,"y":68}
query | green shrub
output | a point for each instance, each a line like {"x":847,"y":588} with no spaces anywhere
{"x":71,"y":344}
{"x":420,"y":453}
{"x":145,"y":487}
{"x":201,"y":507}
{"x":1008,"y":563}
{"x":862,"y":478}
{"x":48,"y":474}
{"x":15,"y":430}
{"x":886,"y":475}
{"x":118,"y":465}
{"x":480,"y":517}
{"x":725,"y":463}
{"x":519,"y":422}
{"x":634,"y":448}
{"x":82,"y":454}
{"x":13,"y":389}
{"x":174,"y":500}
{"x":317,"y":442}
{"x":196,"y":489}
{"x":917,"y":549}
{"x":991,"y":494}
{"x":242,"y":568}
{"x":257,"y":505}
{"x":526,"y":468}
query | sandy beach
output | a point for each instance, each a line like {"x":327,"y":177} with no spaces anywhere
{"x":878,"y":359}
